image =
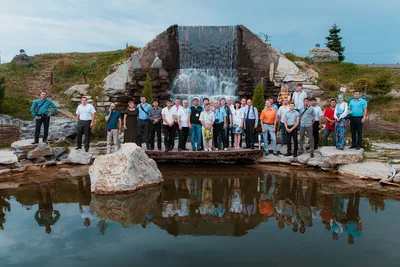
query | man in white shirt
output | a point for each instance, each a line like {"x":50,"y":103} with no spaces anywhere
{"x":281,"y":118}
{"x":176,"y":109}
{"x":298,"y":97}
{"x":168,"y":116}
{"x":232,"y":107}
{"x":85,"y":113}
{"x":183,"y":125}
{"x":317,"y":125}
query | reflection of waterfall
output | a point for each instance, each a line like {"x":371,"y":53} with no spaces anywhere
{"x":207,"y":62}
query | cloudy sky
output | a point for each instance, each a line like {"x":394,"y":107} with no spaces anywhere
{"x":369,"y":27}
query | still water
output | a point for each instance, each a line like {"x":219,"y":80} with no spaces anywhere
{"x":200,"y":217}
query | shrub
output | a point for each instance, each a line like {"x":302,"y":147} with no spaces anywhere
{"x":331,"y":84}
{"x":148,"y":89}
{"x":290,"y":56}
{"x":382,"y":82}
{"x":64,"y":65}
{"x":130,"y":49}
{"x":2,"y":92}
{"x":99,"y":125}
{"x":258,"y":97}
{"x":362,"y":84}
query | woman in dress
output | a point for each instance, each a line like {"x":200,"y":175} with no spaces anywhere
{"x":237,"y":118}
{"x":284,"y":94}
{"x":130,"y":123}
{"x":340,"y":114}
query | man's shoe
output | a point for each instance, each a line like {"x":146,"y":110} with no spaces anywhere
{"x":358,"y":148}
{"x":266,"y":154}
{"x":288,"y":154}
{"x":185,"y":149}
{"x":301,"y":152}
{"x":45,"y":141}
{"x":179,"y":149}
{"x":225,"y":149}
{"x":252,"y":147}
{"x":166,"y":150}
{"x":275,"y":154}
{"x":311,"y":155}
{"x":87,"y":150}
{"x":78,"y":148}
{"x":35,"y":142}
{"x":308,"y":148}
{"x":295,"y":155}
{"x":352,"y":147}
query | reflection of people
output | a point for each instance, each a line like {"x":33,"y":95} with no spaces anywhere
{"x":304,"y":205}
{"x":266,"y":205}
{"x":337,"y":228}
{"x":4,"y":207}
{"x":85,"y":197}
{"x":236,"y":205}
{"x":353,"y":220}
{"x":219,"y":192}
{"x":44,"y":215}
{"x":206,"y":206}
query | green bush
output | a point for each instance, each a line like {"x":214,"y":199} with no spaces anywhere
{"x":130,"y":49}
{"x":331,"y":84}
{"x":258,"y":97}
{"x":362,"y":84}
{"x":148,"y":89}
{"x":64,"y":65}
{"x":290,"y":56}
{"x":16,"y":105}
{"x":2,"y":92}
{"x":382,"y":82}
{"x":99,"y":126}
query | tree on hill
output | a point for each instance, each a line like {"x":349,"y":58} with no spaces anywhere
{"x":148,"y":89}
{"x":258,"y":97}
{"x":2,"y":91}
{"x":335,"y":41}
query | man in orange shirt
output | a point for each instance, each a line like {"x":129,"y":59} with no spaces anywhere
{"x":268,"y":125}
{"x":266,"y":201}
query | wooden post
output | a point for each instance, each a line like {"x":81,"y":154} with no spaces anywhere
{"x":84,"y":77}
{"x":51,"y":78}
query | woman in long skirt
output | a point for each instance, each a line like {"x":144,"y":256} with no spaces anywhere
{"x":341,"y":112}
{"x":130,"y":123}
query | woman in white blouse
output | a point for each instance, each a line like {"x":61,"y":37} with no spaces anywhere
{"x":237,"y":118}
{"x":341,"y":112}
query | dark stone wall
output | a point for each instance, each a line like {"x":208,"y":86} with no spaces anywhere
{"x":160,"y":80}
{"x":248,"y":80}
{"x":166,"y":44}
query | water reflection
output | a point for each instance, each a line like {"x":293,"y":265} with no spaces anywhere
{"x":198,"y":207}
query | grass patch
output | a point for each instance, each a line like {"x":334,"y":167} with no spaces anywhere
{"x":387,"y":107}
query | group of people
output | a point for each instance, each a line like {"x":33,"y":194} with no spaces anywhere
{"x":216,"y":124}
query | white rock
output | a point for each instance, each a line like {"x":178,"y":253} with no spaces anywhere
{"x":371,"y":170}
{"x":393,"y":146}
{"x":303,"y":158}
{"x":116,"y":81}
{"x":126,"y":170}
{"x":285,"y":66}
{"x":79,"y":157}
{"x":301,"y":77}
{"x":347,"y":156}
{"x":318,"y":161}
{"x":395,"y":93}
{"x":7,"y":157}
{"x":42,"y":150}
{"x":78,"y":88}
{"x":135,"y":64}
{"x":157,"y":63}
{"x":275,"y":159}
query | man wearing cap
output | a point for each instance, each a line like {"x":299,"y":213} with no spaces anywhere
{"x":155,"y":125}
{"x":195,"y":124}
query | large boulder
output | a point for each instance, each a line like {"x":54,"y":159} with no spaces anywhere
{"x":115,"y":82}
{"x":59,"y":128}
{"x":126,"y":170}
{"x":334,"y":156}
{"x":81,"y":89}
{"x":42,"y":150}
{"x":80,"y":157}
{"x":7,"y":157}
{"x":286,"y":67}
{"x":395,"y":93}
{"x":323,"y":55}
{"x":22,"y":147}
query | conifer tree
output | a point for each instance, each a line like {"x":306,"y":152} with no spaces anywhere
{"x":335,"y":41}
{"x":258,"y":97}
{"x":148,"y":89}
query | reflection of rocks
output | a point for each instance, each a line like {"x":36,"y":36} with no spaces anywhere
{"x":128,"y":210}
{"x":126,"y":170}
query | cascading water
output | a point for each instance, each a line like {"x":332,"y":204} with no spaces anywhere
{"x":207,"y":63}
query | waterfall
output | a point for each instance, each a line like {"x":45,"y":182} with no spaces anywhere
{"x":207,"y":63}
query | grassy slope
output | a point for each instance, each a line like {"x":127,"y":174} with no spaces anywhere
{"x":23,"y":83}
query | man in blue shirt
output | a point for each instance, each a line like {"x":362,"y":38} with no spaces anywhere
{"x":144,"y":122}
{"x":219,"y":126}
{"x":41,"y":112}
{"x":358,"y":107}
{"x":250,"y":123}
{"x":113,"y":119}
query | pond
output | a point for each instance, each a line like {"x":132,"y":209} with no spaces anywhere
{"x":214,"y":216}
